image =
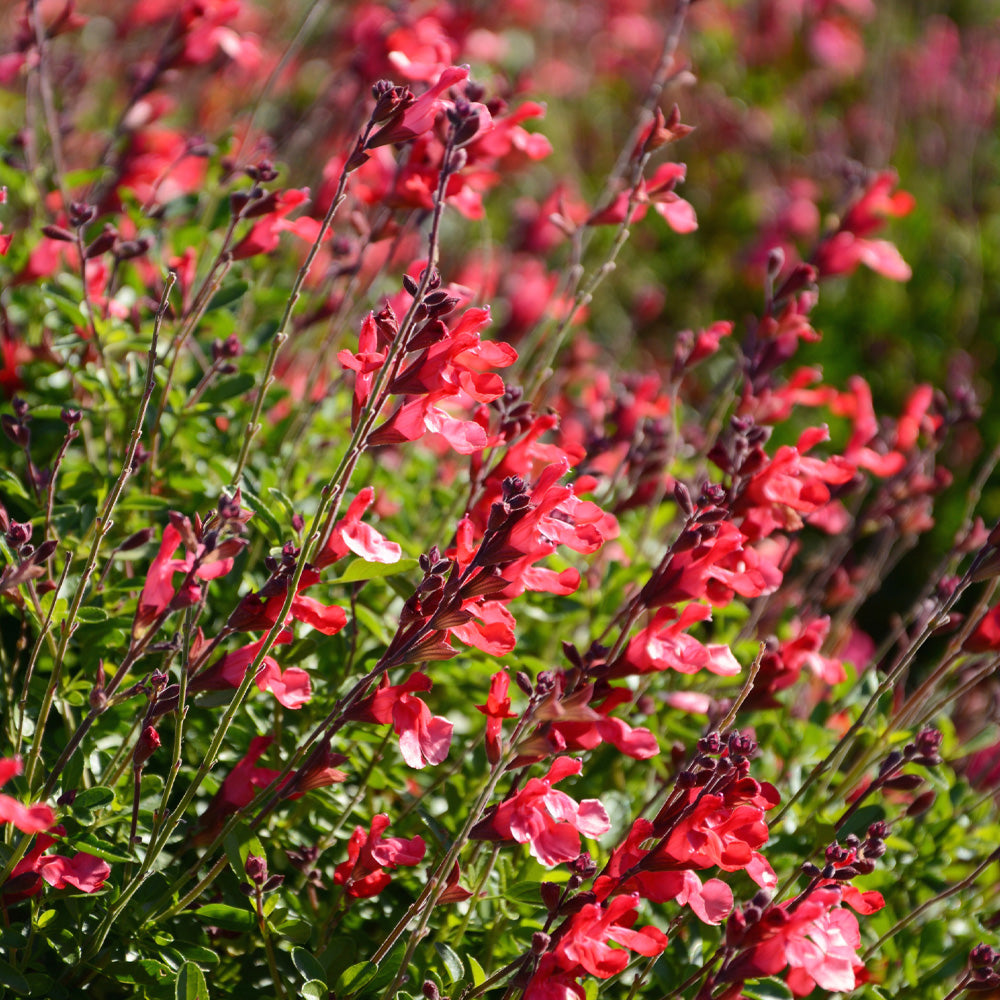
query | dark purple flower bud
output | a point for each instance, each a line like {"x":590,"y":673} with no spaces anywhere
{"x":256,"y":869}
{"x":742,"y":745}
{"x":808,"y":868}
{"x":238,"y":200}
{"x":67,"y":798}
{"x":921,"y":803}
{"x":44,"y":551}
{"x":846,"y":873}
{"x":875,"y":848}
{"x":58,"y":233}
{"x":15,"y":430}
{"x":545,"y":681}
{"x":272,"y":883}
{"x":263,"y":172}
{"x":584,"y":865}
{"x":129,"y":249}
{"x":836,"y":853}
{"x":578,"y":902}
{"x":19,"y":533}
{"x":712,"y":494}
{"x":80,"y":213}
{"x":891,"y":762}
{"x":982,"y":956}
{"x":524,"y":682}
{"x":928,"y":746}
{"x":682,"y":495}
{"x":903,"y":782}
{"x":228,"y":348}
{"x":137,"y":540}
{"x":539,"y":942}
{"x":430,"y":990}
{"x":102,"y":243}
{"x":551,"y":893}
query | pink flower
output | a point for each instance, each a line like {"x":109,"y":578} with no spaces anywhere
{"x":665,"y":644}
{"x":350,"y":534}
{"x":585,"y":941}
{"x":246,"y":778}
{"x":849,"y":246}
{"x":423,"y":738}
{"x":265,"y":233}
{"x":574,"y":724}
{"x":291,"y":687}
{"x":812,"y":935}
{"x":550,"y":821}
{"x":369,"y":854}
{"x":82,"y":871}
{"x":158,"y":593}
{"x":419,"y":116}
{"x":260,"y":610}
{"x":27,"y":819}
{"x":633,"y":869}
{"x":496,"y":709}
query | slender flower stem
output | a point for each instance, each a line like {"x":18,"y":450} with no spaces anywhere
{"x":903,"y":661}
{"x":100,"y":528}
{"x":281,"y":334}
{"x":952,"y":890}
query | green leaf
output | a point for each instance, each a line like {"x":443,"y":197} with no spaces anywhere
{"x":374,"y":623}
{"x":315,"y":989}
{"x":92,"y":844}
{"x":295,"y":930}
{"x":228,"y":388}
{"x":142,"y":972}
{"x":229,"y":918}
{"x":191,"y":983}
{"x":9,"y":976}
{"x":283,"y":499}
{"x":259,"y":508}
{"x":527,"y":893}
{"x":456,"y":970}
{"x":478,"y":973}
{"x":308,"y":965}
{"x":360,"y":570}
{"x":240,"y":843}
{"x":387,"y":969}
{"x":439,"y":833}
{"x":89,"y":801}
{"x":196,"y":953}
{"x":228,"y":294}
{"x":354,"y":977}
{"x":768,"y":989}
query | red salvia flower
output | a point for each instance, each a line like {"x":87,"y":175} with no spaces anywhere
{"x":496,"y":709}
{"x":369,"y":854}
{"x":548,"y":820}
{"x":28,"y":819}
{"x":423,"y":738}
{"x":585,"y":942}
